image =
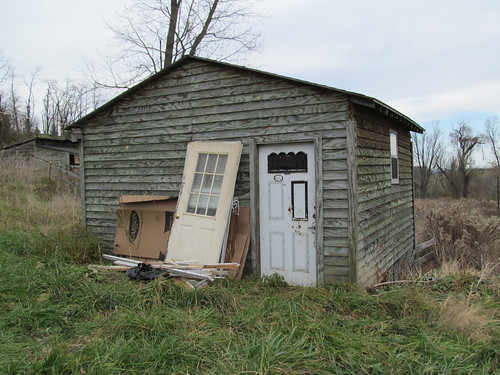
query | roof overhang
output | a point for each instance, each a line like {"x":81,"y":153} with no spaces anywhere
{"x":386,"y":110}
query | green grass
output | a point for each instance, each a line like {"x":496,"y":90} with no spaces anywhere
{"x":58,"y":316}
{"x":61,"y":318}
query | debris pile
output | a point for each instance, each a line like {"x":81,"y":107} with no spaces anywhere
{"x":187,"y":272}
{"x":204,"y":223}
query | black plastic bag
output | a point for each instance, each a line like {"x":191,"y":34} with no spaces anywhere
{"x":145,"y":272}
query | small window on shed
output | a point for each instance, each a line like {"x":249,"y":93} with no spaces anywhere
{"x":74,"y":160}
{"x":394,"y":157}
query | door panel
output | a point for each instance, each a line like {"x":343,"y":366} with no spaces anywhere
{"x":205,"y":200}
{"x":287,"y":212}
{"x":278,"y":256}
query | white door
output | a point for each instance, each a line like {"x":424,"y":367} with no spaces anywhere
{"x":204,"y":203}
{"x":287,"y":189}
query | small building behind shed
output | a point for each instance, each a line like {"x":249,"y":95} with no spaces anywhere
{"x":327,"y":173}
{"x":46,"y":152}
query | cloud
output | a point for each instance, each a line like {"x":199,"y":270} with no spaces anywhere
{"x":482,"y":97}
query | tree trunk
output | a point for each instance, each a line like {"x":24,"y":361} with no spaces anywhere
{"x":204,"y":31}
{"x":172,"y":26}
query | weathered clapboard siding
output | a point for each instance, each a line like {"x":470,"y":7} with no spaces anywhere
{"x":138,"y":146}
{"x":385,"y":209}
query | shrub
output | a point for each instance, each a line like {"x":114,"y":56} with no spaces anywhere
{"x":463,"y":233}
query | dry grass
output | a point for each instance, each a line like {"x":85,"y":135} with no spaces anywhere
{"x":464,"y":231}
{"x":30,"y":200}
{"x":466,"y":317}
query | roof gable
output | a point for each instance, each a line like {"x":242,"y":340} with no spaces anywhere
{"x":356,"y":98}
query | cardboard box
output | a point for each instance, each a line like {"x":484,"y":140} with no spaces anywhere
{"x":143,"y":225}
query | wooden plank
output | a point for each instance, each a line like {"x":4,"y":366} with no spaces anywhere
{"x":352,"y":189}
{"x":195,"y":116}
{"x":425,"y":245}
{"x":336,"y":279}
{"x":337,"y":261}
{"x":319,"y":178}
{"x":424,"y":258}
{"x":215,"y":103}
{"x":331,"y":251}
{"x":338,"y":271}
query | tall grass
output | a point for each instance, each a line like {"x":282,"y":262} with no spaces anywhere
{"x":33,"y":201}
{"x":464,"y":230}
{"x":60,"y":317}
{"x":40,"y":214}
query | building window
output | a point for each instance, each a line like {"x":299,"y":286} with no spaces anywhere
{"x":74,"y":160}
{"x":394,"y":157}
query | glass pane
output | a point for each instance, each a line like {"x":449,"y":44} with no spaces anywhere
{"x":196,"y":182}
{"x":394,"y":144}
{"x":212,"y":206}
{"x":221,"y":165}
{"x":202,"y":205}
{"x":217,"y":184}
{"x":394,"y":168}
{"x":193,"y":199}
{"x":212,"y":160}
{"x":287,"y":163}
{"x":207,"y":183}
{"x":200,"y":164}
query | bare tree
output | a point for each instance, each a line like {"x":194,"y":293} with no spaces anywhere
{"x":152,"y":34}
{"x":17,"y":120}
{"x":458,"y":168}
{"x":4,"y":119}
{"x":29,"y":122}
{"x":428,"y":150}
{"x":64,"y":105}
{"x":492,"y":136}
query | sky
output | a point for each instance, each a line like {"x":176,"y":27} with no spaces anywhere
{"x":437,"y":61}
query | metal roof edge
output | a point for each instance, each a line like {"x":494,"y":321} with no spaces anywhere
{"x":386,"y":110}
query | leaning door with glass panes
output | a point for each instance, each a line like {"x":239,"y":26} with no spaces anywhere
{"x":204,"y":203}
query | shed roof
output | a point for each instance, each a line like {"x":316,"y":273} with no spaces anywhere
{"x":356,"y":98}
{"x":39,"y":138}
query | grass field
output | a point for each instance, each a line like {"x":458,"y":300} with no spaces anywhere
{"x":58,"y":316}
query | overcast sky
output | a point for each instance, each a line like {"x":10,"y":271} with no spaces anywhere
{"x":434,"y":60}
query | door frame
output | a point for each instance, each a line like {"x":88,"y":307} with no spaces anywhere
{"x":254,"y":144}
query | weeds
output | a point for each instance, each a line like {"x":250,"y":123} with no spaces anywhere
{"x":61,"y":317}
{"x":466,"y":317}
{"x":463,"y":234}
{"x":33,"y":202}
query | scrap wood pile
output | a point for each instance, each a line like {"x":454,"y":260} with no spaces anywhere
{"x":186,"y":272}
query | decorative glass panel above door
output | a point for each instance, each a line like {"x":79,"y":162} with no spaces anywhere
{"x":287,"y":162}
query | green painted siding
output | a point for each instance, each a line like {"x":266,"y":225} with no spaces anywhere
{"x":385,"y":210}
{"x":138,"y":145}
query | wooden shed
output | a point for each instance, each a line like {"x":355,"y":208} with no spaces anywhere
{"x":46,"y":151}
{"x":327,"y":173}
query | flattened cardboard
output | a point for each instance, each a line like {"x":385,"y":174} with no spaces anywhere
{"x":143,"y":225}
{"x":240,"y":241}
